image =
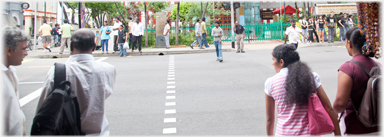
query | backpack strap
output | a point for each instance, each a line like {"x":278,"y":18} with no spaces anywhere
{"x":60,"y":75}
{"x":361,"y":66}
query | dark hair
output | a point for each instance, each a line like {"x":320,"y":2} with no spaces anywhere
{"x":44,"y":21}
{"x":217,"y":22}
{"x":341,"y":13}
{"x":359,"y":41}
{"x":106,"y":21}
{"x":118,"y":18}
{"x":130,"y":18}
{"x":299,"y":84}
{"x":122,"y":25}
{"x":83,"y":41}
{"x":349,"y":16}
{"x":349,"y":32}
{"x":197,"y":20}
{"x":167,"y":21}
{"x":203,"y":19}
{"x":293,"y":20}
{"x":65,"y":21}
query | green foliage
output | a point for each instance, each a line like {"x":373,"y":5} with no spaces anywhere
{"x":157,"y":6}
{"x":183,"y":10}
{"x":185,"y":38}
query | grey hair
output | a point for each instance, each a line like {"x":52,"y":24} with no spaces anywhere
{"x":13,"y":36}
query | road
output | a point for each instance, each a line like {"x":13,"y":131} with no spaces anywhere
{"x":188,"y":94}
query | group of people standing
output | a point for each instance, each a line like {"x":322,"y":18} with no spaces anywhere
{"x":120,"y":36}
{"x":317,"y":27}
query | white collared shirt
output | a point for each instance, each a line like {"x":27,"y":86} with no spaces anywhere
{"x":166,"y":28}
{"x":293,"y":34}
{"x":137,"y":29}
{"x":92,"y":82}
{"x":13,"y":116}
{"x":197,"y":29}
{"x":116,"y":26}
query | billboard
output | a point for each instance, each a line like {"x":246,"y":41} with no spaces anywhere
{"x":322,"y":9}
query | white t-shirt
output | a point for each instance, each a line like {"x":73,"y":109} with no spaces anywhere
{"x":166,"y":28}
{"x":116,"y":25}
{"x":293,"y":34}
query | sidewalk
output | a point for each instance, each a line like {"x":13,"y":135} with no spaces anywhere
{"x":226,"y":47}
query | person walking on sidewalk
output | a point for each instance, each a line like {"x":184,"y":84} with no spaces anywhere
{"x":14,"y":49}
{"x":121,"y":39}
{"x":330,"y":23}
{"x":130,"y":25}
{"x":45,"y":34}
{"x":198,"y":34}
{"x":304,"y":27}
{"x":137,"y":33}
{"x":204,"y":34}
{"x":115,"y":28}
{"x":294,"y":34}
{"x":218,"y":35}
{"x":91,"y":81}
{"x":240,"y":34}
{"x":55,"y":35}
{"x":65,"y":36}
{"x":166,"y":34}
{"x":105,"y":32}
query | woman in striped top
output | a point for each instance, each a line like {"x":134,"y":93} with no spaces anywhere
{"x":290,"y":91}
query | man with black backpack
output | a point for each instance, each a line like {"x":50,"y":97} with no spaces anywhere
{"x":87,"y":79}
{"x":55,"y":35}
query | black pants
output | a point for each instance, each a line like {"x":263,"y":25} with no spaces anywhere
{"x":317,"y":37}
{"x":131,"y":41}
{"x":311,"y":32}
{"x":135,"y":40}
{"x":115,"y":48}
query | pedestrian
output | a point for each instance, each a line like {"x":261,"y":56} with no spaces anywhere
{"x":14,"y":49}
{"x":45,"y":34}
{"x":55,"y":35}
{"x":304,"y":28}
{"x":350,"y":22}
{"x":239,"y":30}
{"x":352,"y":83}
{"x":315,"y":29}
{"x":59,"y":35}
{"x":341,"y":29}
{"x":167,"y":27}
{"x":197,"y":34}
{"x":105,"y":32}
{"x":320,"y":23}
{"x":66,"y":30}
{"x":130,"y":25}
{"x":91,"y":81}
{"x":121,"y":39}
{"x":312,"y":30}
{"x":294,"y":34}
{"x":288,"y":91}
{"x":137,"y":33}
{"x":344,"y":26}
{"x":204,"y":33}
{"x":115,"y":32}
{"x":330,"y":23}
{"x":218,"y":35}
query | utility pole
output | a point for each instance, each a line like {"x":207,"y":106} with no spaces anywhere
{"x":34,"y":29}
{"x":146,"y":24}
{"x":232,"y":25}
{"x":177,"y":24}
{"x":284,"y":13}
{"x":78,"y":13}
{"x":62,"y":15}
{"x":45,"y":11}
{"x":201,"y":10}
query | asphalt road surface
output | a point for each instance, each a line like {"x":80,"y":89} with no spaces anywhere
{"x":187,"y":94}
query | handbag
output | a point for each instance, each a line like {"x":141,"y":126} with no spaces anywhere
{"x":320,"y":122}
{"x":125,"y":46}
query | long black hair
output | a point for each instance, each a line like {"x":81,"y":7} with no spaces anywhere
{"x":359,"y":43}
{"x":299,"y":84}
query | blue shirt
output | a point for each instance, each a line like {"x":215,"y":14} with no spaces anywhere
{"x":103,"y":34}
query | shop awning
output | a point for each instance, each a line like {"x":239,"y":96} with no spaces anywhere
{"x":288,"y":9}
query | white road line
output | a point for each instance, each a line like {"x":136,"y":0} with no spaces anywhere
{"x":171,"y":91}
{"x":101,"y":59}
{"x":171,"y":75}
{"x":171,"y":86}
{"x":169,"y":120}
{"x":171,"y":78}
{"x":169,"y":131}
{"x":170,"y":97}
{"x":170,"y":111}
{"x":170,"y":103}
{"x":37,"y":93}
{"x":171,"y":70}
{"x":21,"y":83}
{"x":30,"y":97}
{"x":171,"y":82}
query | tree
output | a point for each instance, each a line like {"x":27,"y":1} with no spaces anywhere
{"x":205,"y":9}
{"x":64,"y":11}
{"x":297,"y":14}
{"x":73,"y":6}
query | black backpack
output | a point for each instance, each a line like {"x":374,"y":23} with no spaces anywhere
{"x":54,"y":31}
{"x":368,"y":111}
{"x":59,"y":114}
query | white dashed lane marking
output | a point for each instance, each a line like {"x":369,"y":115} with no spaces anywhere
{"x":170,"y":96}
{"x":169,"y":131}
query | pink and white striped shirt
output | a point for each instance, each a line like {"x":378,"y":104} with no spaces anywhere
{"x":292,"y":120}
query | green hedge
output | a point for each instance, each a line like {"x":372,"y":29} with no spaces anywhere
{"x":186,"y":38}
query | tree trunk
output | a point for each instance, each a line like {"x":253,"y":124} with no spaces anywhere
{"x":122,"y":17}
{"x":146,"y":24}
{"x":177,"y":24}
{"x":304,"y":10}
{"x":205,"y":9}
{"x":73,"y":16}
{"x":65,"y":12}
{"x":297,"y":14}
